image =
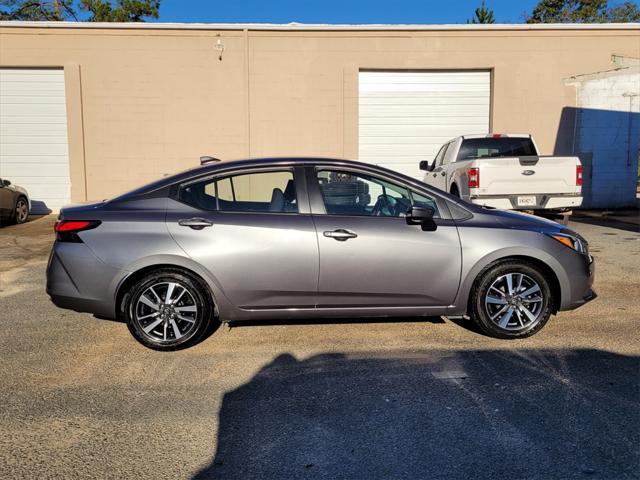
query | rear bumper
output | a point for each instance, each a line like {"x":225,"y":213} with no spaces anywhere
{"x":78,"y":280}
{"x":542,"y":202}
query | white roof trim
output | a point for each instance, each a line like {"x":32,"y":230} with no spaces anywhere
{"x":320,"y":27}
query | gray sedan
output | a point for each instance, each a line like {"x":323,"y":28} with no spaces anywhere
{"x":288,"y":238}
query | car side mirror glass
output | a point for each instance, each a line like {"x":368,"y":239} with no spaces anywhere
{"x":418,"y":215}
{"x":6,"y":183}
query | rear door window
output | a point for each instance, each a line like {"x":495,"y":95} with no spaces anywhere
{"x":268,"y":192}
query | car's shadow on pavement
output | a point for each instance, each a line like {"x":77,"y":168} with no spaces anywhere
{"x":434,"y":414}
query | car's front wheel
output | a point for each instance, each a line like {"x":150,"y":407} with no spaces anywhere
{"x":169,"y":310}
{"x":511,"y":300}
{"x":22,"y":210}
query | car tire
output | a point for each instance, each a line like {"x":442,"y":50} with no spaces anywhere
{"x":172,"y":323}
{"x":21,"y":211}
{"x":454,"y":191}
{"x":510,"y":300}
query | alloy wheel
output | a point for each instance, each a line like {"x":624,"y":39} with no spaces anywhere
{"x":22,"y":211}
{"x":166,"y":312}
{"x":514,"y":302}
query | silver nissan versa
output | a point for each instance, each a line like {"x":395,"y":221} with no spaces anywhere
{"x":305,"y":238}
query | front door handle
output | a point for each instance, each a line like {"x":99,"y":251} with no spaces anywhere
{"x":195,"y":223}
{"x":340,"y":234}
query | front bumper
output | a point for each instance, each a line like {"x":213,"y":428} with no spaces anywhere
{"x":580,"y":288}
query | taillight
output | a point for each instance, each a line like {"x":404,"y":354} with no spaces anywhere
{"x":67,"y":230}
{"x":578,"y":175}
{"x":474,"y":177}
{"x":75,"y":225}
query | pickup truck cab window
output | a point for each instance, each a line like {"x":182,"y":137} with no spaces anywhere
{"x":473,"y":148}
{"x":448,"y":154}
{"x":438,"y":160}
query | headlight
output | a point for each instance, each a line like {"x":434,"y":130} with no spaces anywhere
{"x":570,"y":241}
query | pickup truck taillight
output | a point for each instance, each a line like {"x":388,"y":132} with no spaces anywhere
{"x":474,"y":177}
{"x":578,"y":175}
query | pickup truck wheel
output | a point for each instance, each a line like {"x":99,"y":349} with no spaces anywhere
{"x":454,"y":191}
{"x":511,"y":300}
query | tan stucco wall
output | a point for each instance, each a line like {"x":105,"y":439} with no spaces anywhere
{"x":146,"y":102}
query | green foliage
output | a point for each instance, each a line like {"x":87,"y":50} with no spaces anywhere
{"x":88,"y":10}
{"x":483,"y":14}
{"x":54,"y":10}
{"x":123,"y":11}
{"x":627,"y":12}
{"x":583,"y":11}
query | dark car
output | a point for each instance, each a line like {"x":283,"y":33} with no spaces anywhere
{"x":14,"y":203}
{"x":309,"y":238}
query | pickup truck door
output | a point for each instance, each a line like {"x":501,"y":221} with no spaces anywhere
{"x":439,"y":176}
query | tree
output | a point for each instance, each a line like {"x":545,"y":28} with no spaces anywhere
{"x":90,"y":10}
{"x":123,"y":11}
{"x":55,"y":10}
{"x":625,"y":13}
{"x":483,"y":15}
{"x":583,"y":11}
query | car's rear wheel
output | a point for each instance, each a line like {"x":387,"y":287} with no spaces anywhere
{"x":169,"y":310}
{"x":22,"y":210}
{"x":511,"y":300}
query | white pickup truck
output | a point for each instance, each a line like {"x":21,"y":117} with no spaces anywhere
{"x":506,"y":171}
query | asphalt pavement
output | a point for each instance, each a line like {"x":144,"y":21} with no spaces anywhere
{"x":362,"y":399}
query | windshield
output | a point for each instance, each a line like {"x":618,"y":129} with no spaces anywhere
{"x":489,"y":147}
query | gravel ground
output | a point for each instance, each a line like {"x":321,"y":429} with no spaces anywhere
{"x":79,"y":398}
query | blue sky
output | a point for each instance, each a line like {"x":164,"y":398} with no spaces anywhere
{"x":338,"y":11}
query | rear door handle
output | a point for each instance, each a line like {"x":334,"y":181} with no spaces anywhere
{"x":196,"y":223}
{"x":340,"y":234}
{"x":443,"y":173}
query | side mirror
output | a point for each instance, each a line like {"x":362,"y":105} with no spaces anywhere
{"x":427,"y":166}
{"x":418,"y":215}
{"x":6,"y":183}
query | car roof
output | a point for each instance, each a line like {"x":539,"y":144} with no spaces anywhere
{"x":214,"y":167}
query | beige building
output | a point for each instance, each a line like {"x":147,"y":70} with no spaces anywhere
{"x":90,"y":110}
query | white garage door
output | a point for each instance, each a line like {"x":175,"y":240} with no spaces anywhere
{"x":405,"y":117}
{"x":33,"y":135}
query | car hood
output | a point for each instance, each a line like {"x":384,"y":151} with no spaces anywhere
{"x":511,"y":219}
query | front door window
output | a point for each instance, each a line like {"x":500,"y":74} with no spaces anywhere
{"x":358,"y":194}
